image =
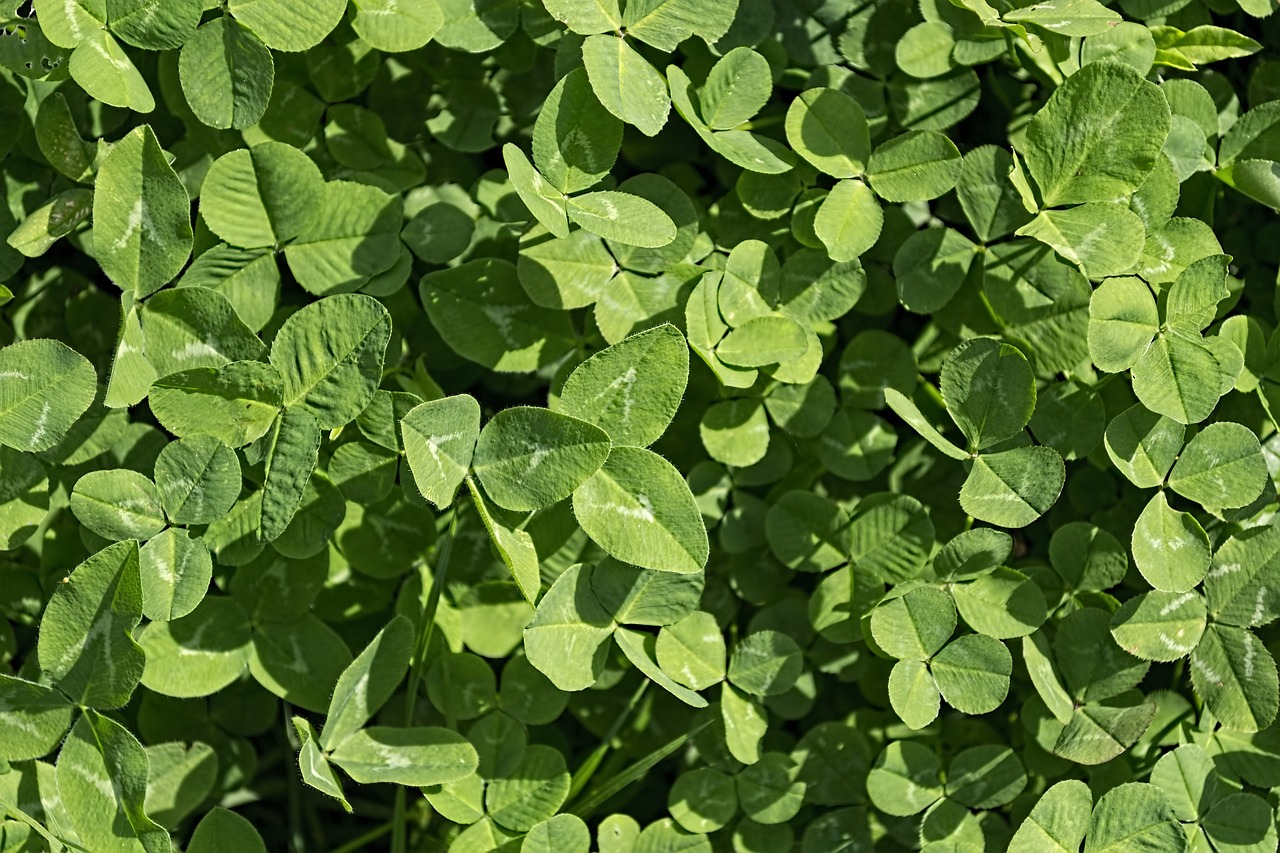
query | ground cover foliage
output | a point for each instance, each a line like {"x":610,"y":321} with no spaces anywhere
{"x":646,"y":426}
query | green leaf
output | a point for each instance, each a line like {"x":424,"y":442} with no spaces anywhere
{"x":118,"y":504}
{"x":1003,"y":604}
{"x":102,"y":779}
{"x":1170,"y":548}
{"x":586,"y":17}
{"x":703,"y":800}
{"x":330,"y":356}
{"x":575,"y":139}
{"x":141,"y":215}
{"x":985,"y":776}
{"x":1182,"y":375}
{"x":639,"y":649}
{"x":692,"y":651}
{"x":915,"y":166}
{"x":1244,"y":572}
{"x":972,"y":673}
{"x":103,"y":69}
{"x":636,"y":596}
{"x":735,"y":432}
{"x":416,"y":756}
{"x":567,"y":638}
{"x":482,"y":313}
{"x":34,"y":719}
{"x":765,"y":663}
{"x":45,"y":386}
{"x":85,"y":645}
{"x":262,"y":196}
{"x":439,"y":440}
{"x":564,"y":833}
{"x":771,"y":339}
{"x":1101,"y":238}
{"x":564,"y":272}
{"x":905,"y":779}
{"x":925,"y":50}
{"x":632,"y":389}
{"x":849,"y":221}
{"x":930,"y":267}
{"x":236,"y":403}
{"x":1098,"y":136}
{"x":1186,"y":776}
{"x":1131,"y":816}
{"x":366,"y":685}
{"x":198,"y":479}
{"x":768,"y":790}
{"x":1204,"y":44}
{"x":1221,"y":467}
{"x":1163,"y":626}
{"x":200,"y":653}
{"x":392,"y":28}
{"x":737,"y":87}
{"x":545,"y":202}
{"x":1093,"y":666}
{"x":154,"y":24}
{"x":1099,"y":732}
{"x":50,"y":222}
{"x":314,"y":765}
{"x":291,"y":449}
{"x":807,"y":532}
{"x":1014,"y":487}
{"x":191,"y":327}
{"x":1193,"y":298}
{"x":1058,"y":822}
{"x":353,"y":234}
{"x":65,"y":24}
{"x":906,"y":409}
{"x":622,"y":217}
{"x":915,"y":626}
{"x":1036,"y":656}
{"x":60,"y":141}
{"x":227,"y":74}
{"x":299,"y":661}
{"x":626,"y":84}
{"x":222,"y":831}
{"x":179,"y":780}
{"x":745,"y":724}
{"x":665,"y":23}
{"x":1143,"y":445}
{"x":989,"y":391}
{"x":1236,"y":676}
{"x":534,"y":791}
{"x":289,"y":25}
{"x":175,"y":571}
{"x":1066,"y":17}
{"x":529,"y":458}
{"x":639,"y":509}
{"x":913,"y":693}
{"x":1122,"y":322}
{"x":1240,"y":822}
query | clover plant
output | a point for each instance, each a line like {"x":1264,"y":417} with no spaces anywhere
{"x":639,"y":426}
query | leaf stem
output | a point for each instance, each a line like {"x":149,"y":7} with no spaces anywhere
{"x":399,"y":823}
{"x":635,"y":771}
{"x":296,"y":840}
{"x":361,"y":842}
{"x":592,"y":762}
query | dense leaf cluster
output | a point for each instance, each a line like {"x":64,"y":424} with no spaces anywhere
{"x":639,"y":425}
